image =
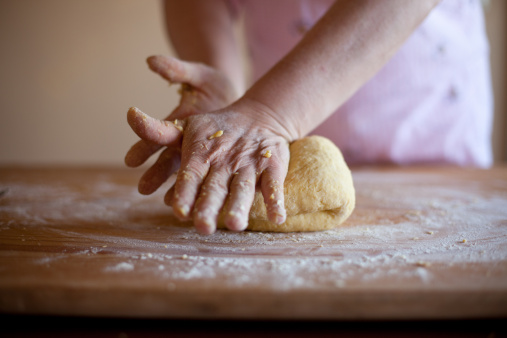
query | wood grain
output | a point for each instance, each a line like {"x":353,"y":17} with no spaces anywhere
{"x":423,"y":243}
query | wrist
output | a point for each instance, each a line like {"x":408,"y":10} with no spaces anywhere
{"x":298,"y":107}
{"x":269,"y":117}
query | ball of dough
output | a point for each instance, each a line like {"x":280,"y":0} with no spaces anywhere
{"x":319,"y":193}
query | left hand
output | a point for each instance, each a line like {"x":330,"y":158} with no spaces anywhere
{"x":203,"y":89}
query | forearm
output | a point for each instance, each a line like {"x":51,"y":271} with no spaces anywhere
{"x":352,"y":41}
{"x":202,"y":31}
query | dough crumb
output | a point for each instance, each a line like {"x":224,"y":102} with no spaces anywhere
{"x":464,"y":241}
{"x":180,"y":128}
{"x":185,"y":175}
{"x":184,"y":256}
{"x":267,"y":154}
{"x":217,"y":134}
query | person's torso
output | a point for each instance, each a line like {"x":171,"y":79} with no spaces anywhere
{"x":430,"y":103}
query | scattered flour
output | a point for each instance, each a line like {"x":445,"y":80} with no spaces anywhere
{"x":121,"y":267}
{"x":408,"y":229}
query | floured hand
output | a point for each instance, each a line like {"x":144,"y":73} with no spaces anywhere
{"x":224,"y":156}
{"x":203,"y":89}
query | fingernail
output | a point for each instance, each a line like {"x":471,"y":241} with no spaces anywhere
{"x":279,"y":219}
{"x":235,"y":221}
{"x":183,"y":210}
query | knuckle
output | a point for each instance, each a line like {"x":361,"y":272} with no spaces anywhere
{"x":243,"y":185}
{"x":215,"y":185}
{"x":189,"y":175}
{"x":193,"y":171}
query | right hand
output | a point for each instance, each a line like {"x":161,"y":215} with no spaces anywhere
{"x":203,"y":89}
{"x":225,"y":155}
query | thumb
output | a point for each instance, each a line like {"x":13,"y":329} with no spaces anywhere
{"x":177,"y":71}
{"x":154,"y":130}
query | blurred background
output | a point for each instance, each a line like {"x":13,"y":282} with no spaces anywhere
{"x":70,"y":70}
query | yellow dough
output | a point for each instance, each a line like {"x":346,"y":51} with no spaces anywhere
{"x":319,"y":193}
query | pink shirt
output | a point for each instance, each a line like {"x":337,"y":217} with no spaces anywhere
{"x":431,"y":103}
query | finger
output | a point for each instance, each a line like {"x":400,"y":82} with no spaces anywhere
{"x":178,"y":115}
{"x":169,"y":197}
{"x":211,"y":199}
{"x":239,"y":202}
{"x":151,"y":129}
{"x":188,"y":182}
{"x":177,"y":71}
{"x":140,"y":152}
{"x":167,"y":163}
{"x":272,"y":190}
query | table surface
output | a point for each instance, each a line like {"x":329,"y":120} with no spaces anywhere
{"x":423,"y":243}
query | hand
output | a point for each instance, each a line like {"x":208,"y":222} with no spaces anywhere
{"x":203,"y":89}
{"x":224,"y":155}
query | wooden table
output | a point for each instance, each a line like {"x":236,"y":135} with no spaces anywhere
{"x":423,"y":243}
